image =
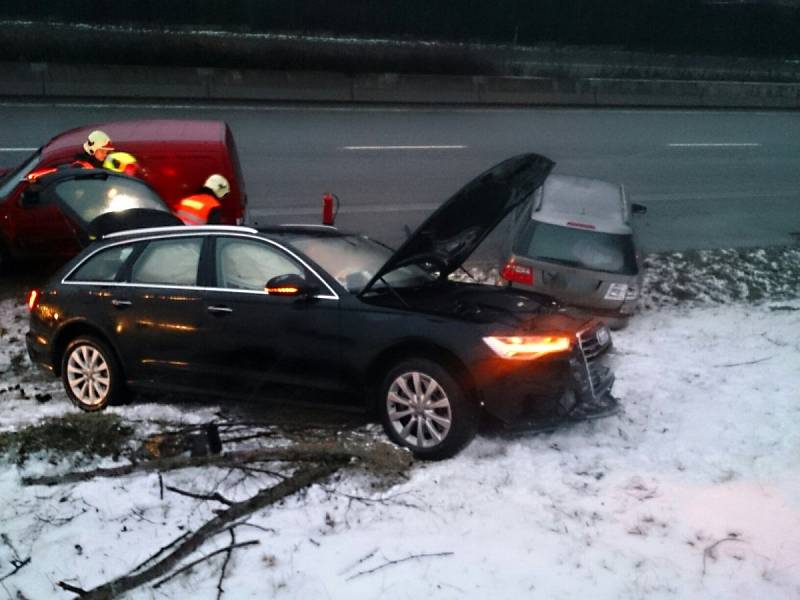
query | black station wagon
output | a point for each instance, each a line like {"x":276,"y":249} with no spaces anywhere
{"x":240,"y":312}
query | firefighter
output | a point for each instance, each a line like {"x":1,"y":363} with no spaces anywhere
{"x":204,"y":206}
{"x":96,"y":149}
{"x":122,"y":162}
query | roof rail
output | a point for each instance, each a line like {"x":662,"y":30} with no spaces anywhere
{"x":180,"y":228}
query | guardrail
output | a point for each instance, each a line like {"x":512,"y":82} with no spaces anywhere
{"x":47,"y":80}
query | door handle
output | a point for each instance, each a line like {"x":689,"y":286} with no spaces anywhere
{"x":121,"y":303}
{"x":219,"y":310}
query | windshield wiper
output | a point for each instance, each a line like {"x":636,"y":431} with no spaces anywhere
{"x":563,"y":261}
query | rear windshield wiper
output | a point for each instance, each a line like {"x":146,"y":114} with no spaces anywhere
{"x":563,"y":261}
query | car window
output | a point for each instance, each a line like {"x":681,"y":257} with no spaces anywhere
{"x":353,"y":260}
{"x":585,"y":249}
{"x":104,"y":265}
{"x":169,"y":262}
{"x":249,"y":264}
{"x":90,"y":198}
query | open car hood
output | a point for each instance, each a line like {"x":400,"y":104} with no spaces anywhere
{"x":458,"y":226}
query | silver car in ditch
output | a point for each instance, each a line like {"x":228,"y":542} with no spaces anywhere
{"x":575,"y":241}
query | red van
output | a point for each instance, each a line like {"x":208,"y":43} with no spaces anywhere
{"x":175,"y":158}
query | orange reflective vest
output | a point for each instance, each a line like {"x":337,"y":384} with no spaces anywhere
{"x":197,"y":209}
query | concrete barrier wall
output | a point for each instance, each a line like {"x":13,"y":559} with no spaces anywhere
{"x":39,"y":80}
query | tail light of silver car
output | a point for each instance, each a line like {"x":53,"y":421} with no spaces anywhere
{"x":517,"y":273}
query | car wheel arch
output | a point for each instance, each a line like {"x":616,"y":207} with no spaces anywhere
{"x":73,"y":330}
{"x":411,"y":349}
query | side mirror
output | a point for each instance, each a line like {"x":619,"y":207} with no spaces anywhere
{"x":638,"y":209}
{"x":30,"y":196}
{"x":293,"y":286}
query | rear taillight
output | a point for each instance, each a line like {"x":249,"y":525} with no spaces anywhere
{"x":517,"y":273}
{"x":33,"y":299}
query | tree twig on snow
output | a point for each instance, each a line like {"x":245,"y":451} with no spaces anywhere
{"x":741,"y":364}
{"x":160,"y":551}
{"x":204,"y":558}
{"x":71,"y":588}
{"x":301,"y":479}
{"x":398,"y":561}
{"x":216,"y":496}
{"x":361,"y":560}
{"x":220,"y":589}
{"x":708,"y":552}
{"x":17,"y":564}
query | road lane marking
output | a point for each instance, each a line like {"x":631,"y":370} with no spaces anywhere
{"x":17,"y":149}
{"x":714,"y":145}
{"x":435,"y":147}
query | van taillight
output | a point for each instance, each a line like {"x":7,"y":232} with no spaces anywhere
{"x":517,"y":273}
{"x":33,"y":299}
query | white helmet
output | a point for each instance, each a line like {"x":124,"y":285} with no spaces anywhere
{"x":97,"y":140}
{"x":218,"y":184}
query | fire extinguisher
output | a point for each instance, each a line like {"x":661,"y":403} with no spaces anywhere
{"x":330,"y":208}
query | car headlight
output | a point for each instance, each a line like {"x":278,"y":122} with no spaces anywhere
{"x":632,"y":293}
{"x":528,"y":347}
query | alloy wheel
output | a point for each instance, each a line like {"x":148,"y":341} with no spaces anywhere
{"x":419,"y":410}
{"x":88,"y":375}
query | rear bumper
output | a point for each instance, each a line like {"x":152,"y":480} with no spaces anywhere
{"x":38,"y":351}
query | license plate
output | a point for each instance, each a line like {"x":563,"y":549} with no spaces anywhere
{"x":616,"y":291}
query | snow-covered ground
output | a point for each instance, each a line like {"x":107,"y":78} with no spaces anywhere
{"x":693,"y":491}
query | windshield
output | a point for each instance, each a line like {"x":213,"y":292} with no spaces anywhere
{"x":9,"y":181}
{"x":353,"y":260}
{"x":594,"y":250}
{"x":90,"y":198}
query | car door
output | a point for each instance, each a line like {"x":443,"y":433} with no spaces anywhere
{"x":40,"y":227}
{"x":160,"y":314}
{"x":262,"y":343}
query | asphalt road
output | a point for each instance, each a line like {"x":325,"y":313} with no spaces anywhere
{"x":709,"y":178}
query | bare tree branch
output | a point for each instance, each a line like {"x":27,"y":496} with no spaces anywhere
{"x":220,"y":590}
{"x":301,"y":479}
{"x":741,"y":364}
{"x":194,"y":563}
{"x":708,"y":552}
{"x":216,"y":496}
{"x":17,"y":564}
{"x":383,"y":455}
{"x":71,"y":588}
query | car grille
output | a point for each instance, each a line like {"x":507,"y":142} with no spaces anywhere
{"x":597,"y":377}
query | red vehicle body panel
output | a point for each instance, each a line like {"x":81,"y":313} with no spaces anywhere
{"x":175,"y":158}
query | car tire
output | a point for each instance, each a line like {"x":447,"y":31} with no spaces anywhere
{"x":425,"y":409}
{"x":91,"y":374}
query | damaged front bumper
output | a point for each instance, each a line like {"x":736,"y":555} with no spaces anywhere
{"x":555,"y":392}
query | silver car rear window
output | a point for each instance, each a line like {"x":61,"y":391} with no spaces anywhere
{"x":581,"y":248}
